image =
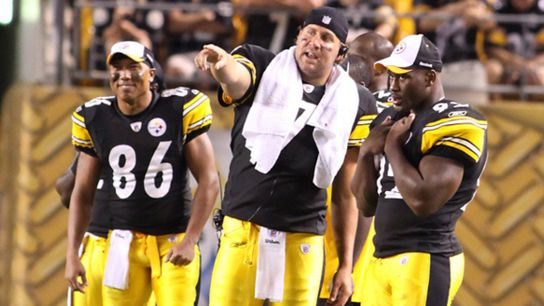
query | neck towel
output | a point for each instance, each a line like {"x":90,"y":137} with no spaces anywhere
{"x":273,"y":113}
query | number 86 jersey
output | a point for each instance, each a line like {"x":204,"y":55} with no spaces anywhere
{"x":449,"y":130}
{"x":143,"y":157}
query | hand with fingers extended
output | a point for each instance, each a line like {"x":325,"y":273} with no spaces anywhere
{"x":342,"y":287}
{"x":75,"y":274}
{"x":182,"y":253}
{"x":211,"y":54}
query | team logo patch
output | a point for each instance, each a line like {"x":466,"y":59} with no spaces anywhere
{"x":326,"y":19}
{"x":400,"y":48}
{"x":156,"y":127}
{"x":305,"y":248}
{"x":136,"y":126}
{"x":308,"y":88}
{"x":172,"y":238}
{"x":404,"y":260}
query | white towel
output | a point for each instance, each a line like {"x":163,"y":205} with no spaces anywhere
{"x":270,"y":265}
{"x":117,"y":263}
{"x":274,"y":110}
{"x":333,"y":120}
{"x":273,"y":113}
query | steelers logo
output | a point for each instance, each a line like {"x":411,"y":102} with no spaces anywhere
{"x":156,"y":127}
{"x":400,"y":47}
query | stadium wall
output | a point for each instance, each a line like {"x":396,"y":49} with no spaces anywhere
{"x":502,"y":230}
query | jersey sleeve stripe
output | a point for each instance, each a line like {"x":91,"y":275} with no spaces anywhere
{"x":197,"y":115}
{"x":194,"y":103}
{"x":80,"y":135}
{"x":361,"y":130}
{"x":463,"y":145}
{"x":462,"y":133}
{"x":81,"y":143}
{"x":200,"y":124}
{"x":455,"y":120}
{"x":79,"y":120}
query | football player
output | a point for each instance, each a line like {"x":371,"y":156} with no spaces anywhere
{"x":145,"y":143}
{"x":275,"y":200}
{"x":93,"y":247}
{"x":416,"y":172}
{"x":363,"y":52}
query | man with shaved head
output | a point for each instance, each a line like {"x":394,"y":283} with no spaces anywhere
{"x":364,"y":51}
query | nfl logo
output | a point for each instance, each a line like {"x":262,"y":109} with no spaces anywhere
{"x":305,"y":248}
{"x":326,"y":19}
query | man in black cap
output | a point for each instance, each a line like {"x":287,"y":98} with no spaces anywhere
{"x":142,"y":143}
{"x":296,"y":131}
{"x":431,"y":154}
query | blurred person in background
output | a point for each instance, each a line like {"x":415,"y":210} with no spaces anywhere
{"x":187,"y":31}
{"x":458,"y":28}
{"x":364,"y":15}
{"x":122,"y":22}
{"x":515,"y":50}
{"x":272,"y":24}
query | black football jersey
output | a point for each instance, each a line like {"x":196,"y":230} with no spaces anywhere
{"x":142,"y":156}
{"x":100,"y":215}
{"x":450,"y":130}
{"x":384,"y":99}
{"x":285,"y":198}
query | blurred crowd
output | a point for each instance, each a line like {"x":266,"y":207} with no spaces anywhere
{"x":482,"y":43}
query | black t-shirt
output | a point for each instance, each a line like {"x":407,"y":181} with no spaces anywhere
{"x":285,"y":198}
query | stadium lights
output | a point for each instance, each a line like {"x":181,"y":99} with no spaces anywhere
{"x":6,"y":12}
{"x":30,"y":11}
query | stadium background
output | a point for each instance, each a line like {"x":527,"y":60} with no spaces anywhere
{"x":502,"y":230}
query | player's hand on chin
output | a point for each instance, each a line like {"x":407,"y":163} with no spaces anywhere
{"x":181,"y":254}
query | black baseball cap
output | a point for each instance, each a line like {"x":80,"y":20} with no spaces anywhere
{"x":330,"y":18}
{"x":413,"y":51}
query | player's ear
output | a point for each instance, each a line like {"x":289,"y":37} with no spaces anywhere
{"x":430,"y":77}
{"x":152,"y":73}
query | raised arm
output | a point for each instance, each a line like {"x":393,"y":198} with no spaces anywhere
{"x":79,"y":217}
{"x":201,"y":162}
{"x":232,"y":76}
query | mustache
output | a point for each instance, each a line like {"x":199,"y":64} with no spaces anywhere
{"x":134,"y":75}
